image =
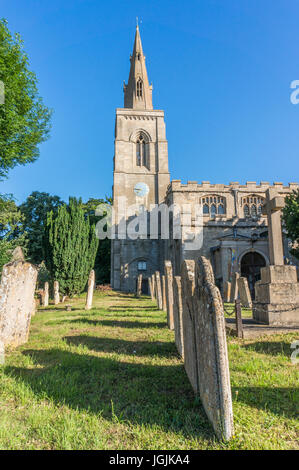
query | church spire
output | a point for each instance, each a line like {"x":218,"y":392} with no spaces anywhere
{"x":138,"y":92}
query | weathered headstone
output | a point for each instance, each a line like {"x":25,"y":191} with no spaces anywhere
{"x":277,"y":293}
{"x":56,"y":293}
{"x":226,"y":291}
{"x":189,"y":345}
{"x":46,"y":295}
{"x":164,"y":293}
{"x":139,"y":285}
{"x":234,"y":287}
{"x":244,"y":292}
{"x":211,"y":349}
{"x":178,"y":315}
{"x":90,"y":289}
{"x":159,"y":291}
{"x":154,"y":285}
{"x":150,"y":285}
{"x":17,"y":303}
{"x":169,"y":293}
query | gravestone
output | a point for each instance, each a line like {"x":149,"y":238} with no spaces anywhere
{"x":211,"y":349}
{"x":158,"y":291}
{"x":17,"y":303}
{"x":244,"y":292}
{"x":189,"y":340}
{"x":234,"y":287}
{"x":226,"y":291}
{"x":46,"y":295}
{"x":56,"y":293}
{"x":169,"y":293}
{"x":164,"y":293}
{"x":139,"y":285}
{"x":154,"y":286}
{"x":178,"y":315}
{"x":277,"y":293}
{"x":150,"y":284}
{"x":90,"y":289}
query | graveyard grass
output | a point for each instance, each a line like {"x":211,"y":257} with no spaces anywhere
{"x":110,"y":378}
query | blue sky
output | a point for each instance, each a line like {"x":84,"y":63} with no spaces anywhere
{"x":221,"y":70}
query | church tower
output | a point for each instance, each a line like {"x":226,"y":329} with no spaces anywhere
{"x":141,"y":175}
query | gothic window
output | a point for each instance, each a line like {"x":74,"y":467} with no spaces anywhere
{"x":252,"y":206}
{"x":213,"y":205}
{"x":139,"y":88}
{"x":141,"y":151}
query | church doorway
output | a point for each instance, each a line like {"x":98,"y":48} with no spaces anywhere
{"x":251,"y":265}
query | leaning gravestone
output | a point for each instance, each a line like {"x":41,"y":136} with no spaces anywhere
{"x":169,"y":293}
{"x":211,"y":349}
{"x":189,"y":345}
{"x":17,"y":303}
{"x":244,"y":292}
{"x":90,"y":289}
{"x":178,"y":315}
{"x":159,"y":291}
{"x":234,"y":288}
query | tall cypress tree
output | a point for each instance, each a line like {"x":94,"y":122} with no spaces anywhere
{"x":70,"y":247}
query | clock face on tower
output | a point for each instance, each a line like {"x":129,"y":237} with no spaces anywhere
{"x":141,"y":189}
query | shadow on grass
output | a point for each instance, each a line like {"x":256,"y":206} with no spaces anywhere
{"x":274,"y":348}
{"x":282,"y":401}
{"x":119,"y":346}
{"x":117,"y":323}
{"x":149,"y":395}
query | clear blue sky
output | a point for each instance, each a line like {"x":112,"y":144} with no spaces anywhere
{"x":221,"y":70}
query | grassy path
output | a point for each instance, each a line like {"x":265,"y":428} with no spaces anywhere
{"x":110,"y":378}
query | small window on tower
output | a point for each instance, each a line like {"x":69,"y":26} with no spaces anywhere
{"x":141,"y":266}
{"x":139,"y":89}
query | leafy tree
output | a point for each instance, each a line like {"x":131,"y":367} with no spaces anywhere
{"x":35,"y":210}
{"x":70,"y":247}
{"x":290,"y":217}
{"x":103,"y":257}
{"x":24,"y":120}
{"x":11,"y":228}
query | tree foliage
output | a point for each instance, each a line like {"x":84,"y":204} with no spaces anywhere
{"x":70,"y":247}
{"x":24,"y":120}
{"x":103,"y":257}
{"x":11,"y":228}
{"x":290,"y":219}
{"x":35,"y":210}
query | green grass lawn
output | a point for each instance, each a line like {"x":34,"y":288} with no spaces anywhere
{"x":111,"y":378}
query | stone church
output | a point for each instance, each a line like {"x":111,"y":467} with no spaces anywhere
{"x":234,"y":230}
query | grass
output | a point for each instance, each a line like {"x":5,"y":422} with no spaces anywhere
{"x":111,"y":378}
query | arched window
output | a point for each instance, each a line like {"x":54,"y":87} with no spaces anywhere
{"x":139,"y":88}
{"x":141,"y":151}
{"x":213,"y":205}
{"x":252,"y":205}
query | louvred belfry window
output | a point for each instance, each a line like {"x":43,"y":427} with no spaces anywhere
{"x":139,"y":88}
